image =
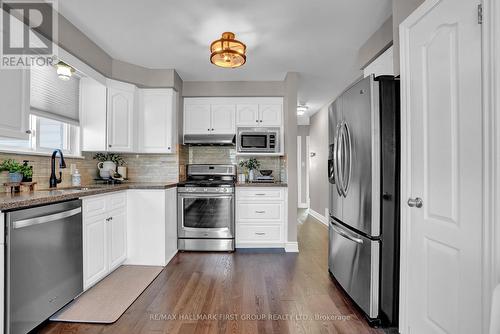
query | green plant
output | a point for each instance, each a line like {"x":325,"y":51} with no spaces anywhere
{"x":11,"y":166}
{"x":27,"y":171}
{"x":116,"y":158}
{"x":250,"y":164}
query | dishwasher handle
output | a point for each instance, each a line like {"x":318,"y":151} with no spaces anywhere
{"x":45,"y":219}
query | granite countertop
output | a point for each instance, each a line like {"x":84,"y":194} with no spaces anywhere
{"x":262,"y":184}
{"x":39,"y":197}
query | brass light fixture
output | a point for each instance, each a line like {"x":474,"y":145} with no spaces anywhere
{"x":228,"y":52}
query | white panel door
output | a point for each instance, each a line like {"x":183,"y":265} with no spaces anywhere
{"x":442,"y":87}
{"x":95,"y":252}
{"x":156,"y":120}
{"x":120,"y":119}
{"x":197,"y":119}
{"x":247,"y":115}
{"x":117,"y":231}
{"x":270,"y":114}
{"x":15,"y":103}
{"x":223,"y":119}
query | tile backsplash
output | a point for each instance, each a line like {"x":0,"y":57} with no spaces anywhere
{"x":144,"y":167}
{"x":140,"y":168}
{"x":227,"y":155}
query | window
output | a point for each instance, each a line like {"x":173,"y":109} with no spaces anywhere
{"x":46,"y":136}
{"x":54,"y":115}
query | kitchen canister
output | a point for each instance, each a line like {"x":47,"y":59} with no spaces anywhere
{"x":122,"y":170}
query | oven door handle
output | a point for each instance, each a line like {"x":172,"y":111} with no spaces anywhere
{"x":204,"y":195}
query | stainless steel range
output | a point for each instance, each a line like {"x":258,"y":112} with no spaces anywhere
{"x":205,"y":208}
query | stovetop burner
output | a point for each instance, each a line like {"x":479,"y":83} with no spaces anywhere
{"x":207,"y":176}
{"x":208,"y":183}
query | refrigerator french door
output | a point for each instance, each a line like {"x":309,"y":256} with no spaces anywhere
{"x":363,"y":152}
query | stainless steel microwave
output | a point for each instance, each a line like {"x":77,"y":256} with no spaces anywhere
{"x":258,"y":140}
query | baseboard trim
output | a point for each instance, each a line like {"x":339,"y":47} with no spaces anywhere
{"x":303,"y":206}
{"x":292,"y":247}
{"x":319,"y":217}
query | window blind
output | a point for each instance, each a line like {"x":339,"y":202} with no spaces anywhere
{"x":52,"y":97}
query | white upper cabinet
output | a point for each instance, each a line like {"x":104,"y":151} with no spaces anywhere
{"x":197,"y":119}
{"x":222,"y":119}
{"x":15,"y":101}
{"x":93,"y":114}
{"x":247,"y":114}
{"x":221,"y":115}
{"x":121,"y":99}
{"x":270,"y":114}
{"x":157,"y":120}
{"x":209,"y":116}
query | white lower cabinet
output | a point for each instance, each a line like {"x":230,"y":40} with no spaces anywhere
{"x":152,"y":226}
{"x":260,"y":217}
{"x":104,"y":235}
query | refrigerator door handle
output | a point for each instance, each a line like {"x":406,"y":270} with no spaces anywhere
{"x":348,"y":145}
{"x":346,"y":235}
{"x":336,"y":164}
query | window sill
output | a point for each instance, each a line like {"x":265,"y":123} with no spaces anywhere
{"x":39,"y":154}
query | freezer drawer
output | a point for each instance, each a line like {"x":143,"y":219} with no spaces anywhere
{"x":354,"y":262}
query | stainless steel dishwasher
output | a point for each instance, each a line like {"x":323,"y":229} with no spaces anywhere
{"x":44,"y":262}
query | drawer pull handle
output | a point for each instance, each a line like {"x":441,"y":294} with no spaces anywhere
{"x":260,"y":194}
{"x":260,"y":233}
{"x":260,"y":212}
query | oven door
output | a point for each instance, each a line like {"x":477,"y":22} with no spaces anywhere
{"x":205,"y":215}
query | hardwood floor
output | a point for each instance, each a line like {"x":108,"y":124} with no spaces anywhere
{"x":227,"y":293}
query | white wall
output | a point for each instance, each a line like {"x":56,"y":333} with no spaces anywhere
{"x":318,"y":172}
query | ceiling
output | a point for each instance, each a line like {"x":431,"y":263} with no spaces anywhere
{"x":319,"y":39}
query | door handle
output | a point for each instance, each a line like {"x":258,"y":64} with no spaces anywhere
{"x":45,"y":219}
{"x":348,"y":146}
{"x":346,"y":235}
{"x":415,"y":202}
{"x":336,"y":164}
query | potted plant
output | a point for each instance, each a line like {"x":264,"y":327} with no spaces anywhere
{"x":27,"y":171}
{"x":251,"y":165}
{"x":108,"y":163}
{"x":14,"y":168}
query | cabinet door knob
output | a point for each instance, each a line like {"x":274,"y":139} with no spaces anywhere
{"x":212,"y":129}
{"x":208,"y":129}
{"x":257,"y":121}
{"x":28,"y":132}
{"x":261,"y":121}
{"x":109,"y":145}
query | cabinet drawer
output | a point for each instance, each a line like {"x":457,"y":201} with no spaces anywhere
{"x":268,"y":212}
{"x":116,"y":201}
{"x":259,"y":193}
{"x":94,"y":206}
{"x":252,"y":233}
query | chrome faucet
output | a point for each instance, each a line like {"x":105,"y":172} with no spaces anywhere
{"x":53,"y":179}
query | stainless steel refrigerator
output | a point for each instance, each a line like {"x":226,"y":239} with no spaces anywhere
{"x":363,"y":171}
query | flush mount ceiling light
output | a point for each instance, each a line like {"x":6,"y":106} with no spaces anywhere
{"x":302,"y":109}
{"x":64,"y":71}
{"x":228,"y":52}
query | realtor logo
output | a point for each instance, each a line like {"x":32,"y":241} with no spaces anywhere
{"x":29,"y":33}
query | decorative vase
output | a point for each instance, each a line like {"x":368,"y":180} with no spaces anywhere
{"x":15,"y":177}
{"x":105,"y":168}
{"x":250,"y":175}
